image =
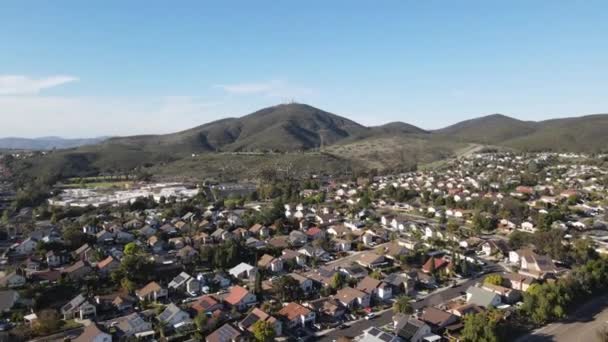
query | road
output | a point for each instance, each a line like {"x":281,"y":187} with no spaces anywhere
{"x":582,"y":325}
{"x":386,"y":317}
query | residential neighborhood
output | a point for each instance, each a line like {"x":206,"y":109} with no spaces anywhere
{"x":442,"y":254}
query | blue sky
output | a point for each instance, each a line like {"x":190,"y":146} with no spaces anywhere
{"x":82,"y":68}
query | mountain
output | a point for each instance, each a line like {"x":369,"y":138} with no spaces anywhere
{"x":579,"y":134}
{"x":334,"y":144}
{"x":576,"y":134}
{"x":45,"y":143}
{"x":491,"y":129}
{"x":397,"y":127}
{"x":286,"y":127}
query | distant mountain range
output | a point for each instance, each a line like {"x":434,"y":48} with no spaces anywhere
{"x":45,"y":143}
{"x":300,"y":127}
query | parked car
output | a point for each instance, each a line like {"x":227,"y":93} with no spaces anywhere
{"x":371,"y":315}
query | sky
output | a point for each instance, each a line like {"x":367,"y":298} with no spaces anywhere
{"x":86,"y":69}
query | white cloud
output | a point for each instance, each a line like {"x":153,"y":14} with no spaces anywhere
{"x":272,"y":88}
{"x":20,"y":85}
{"x":82,"y":116}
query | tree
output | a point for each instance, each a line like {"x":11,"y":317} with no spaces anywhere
{"x":287,"y":288}
{"x":403,"y":305}
{"x":493,"y":279}
{"x":481,"y":327}
{"x":132,"y":248}
{"x":201,"y":320}
{"x":258,"y":283}
{"x":136,"y":268}
{"x":48,"y":322}
{"x":263,"y":331}
{"x":376,"y":275}
{"x":338,"y":280}
{"x":5,"y":218}
{"x":128,"y":285}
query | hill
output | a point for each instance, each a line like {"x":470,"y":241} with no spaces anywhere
{"x":301,"y":137}
{"x":286,"y":127}
{"x":45,"y":143}
{"x":580,"y":134}
{"x":491,"y":129}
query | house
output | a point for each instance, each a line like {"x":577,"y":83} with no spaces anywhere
{"x":55,"y":259}
{"x":305,"y":282}
{"x":314,"y":252}
{"x":374,"y":334}
{"x":370,"y":260}
{"x":187,"y":254}
{"x":174,"y":316}
{"x":368,"y":239}
{"x":132,"y":325}
{"x":241,"y":233}
{"x":193,"y":286}
{"x":77,"y":271}
{"x":437,"y":319}
{"x":532,"y":264}
{"x":147,"y":231}
{"x":178,"y":242}
{"x":375,"y":288}
{"x":315,"y":233}
{"x":482,"y":297}
{"x":206,"y":304}
{"x":410,"y":329}
{"x":79,"y":307}
{"x":341,"y":245}
{"x":268,"y":262}
{"x":107,"y":265}
{"x":354,"y":271}
{"x":492,"y":247}
{"x":27,"y":246}
{"x":104,"y":236}
{"x":518,"y":281}
{"x":401,"y":283}
{"x":151,"y":292}
{"x":92,"y":333}
{"x":296,"y":315}
{"x":436,"y":265}
{"x":352,"y":298}
{"x":84,"y":252}
{"x":168,"y":229}
{"x":156,"y":243}
{"x":12,"y":279}
{"x":528,"y":227}
{"x":506,"y":294}
{"x":327,"y":308}
{"x":120,"y":301}
{"x":289,"y":255}
{"x":240,"y":298}
{"x":396,"y":251}
{"x":124,"y":237}
{"x":8,"y":299}
{"x":258,"y":315}
{"x":338,"y":230}
{"x":179,"y":282}
{"x":260,"y":230}
{"x":297,"y":238}
{"x":243,"y":271}
{"x":255,"y":243}
{"x":225,"y":333}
